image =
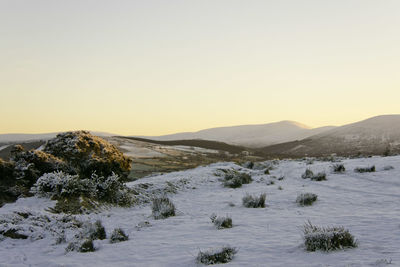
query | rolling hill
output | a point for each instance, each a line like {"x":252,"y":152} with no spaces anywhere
{"x":250,"y":135}
{"x":376,"y":135}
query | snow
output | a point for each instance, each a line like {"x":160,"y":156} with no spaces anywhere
{"x":3,"y":147}
{"x":367,"y":204}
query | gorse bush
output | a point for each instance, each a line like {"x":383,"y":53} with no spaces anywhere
{"x":327,"y":238}
{"x":216,"y":256}
{"x":250,"y":201}
{"x":221,"y":222}
{"x":118,"y":235}
{"x":365,"y":169}
{"x":87,"y":154}
{"x":162,"y":208}
{"x":235,"y":179}
{"x":338,"y":168}
{"x":78,"y":154}
{"x":306,"y":199}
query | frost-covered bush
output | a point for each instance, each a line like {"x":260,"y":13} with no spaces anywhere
{"x":216,"y":256}
{"x":59,"y":184}
{"x":118,"y":235}
{"x":66,"y":187}
{"x":327,"y":238}
{"x":338,"y":168}
{"x":250,"y":201}
{"x":307,"y":174}
{"x":82,"y":246}
{"x":95,"y":231}
{"x":30,"y":165}
{"x":221,"y":222}
{"x":162,"y":208}
{"x":306,"y":199}
{"x":365,"y":169}
{"x":235,"y":179}
{"x":87,"y":154}
{"x":321,"y":176}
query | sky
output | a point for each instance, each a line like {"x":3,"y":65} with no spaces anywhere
{"x":159,"y":67}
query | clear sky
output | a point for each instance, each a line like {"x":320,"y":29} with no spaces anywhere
{"x":157,"y":67}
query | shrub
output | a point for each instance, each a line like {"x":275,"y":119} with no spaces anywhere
{"x":321,"y":176}
{"x":86,"y":246}
{"x":365,"y":169}
{"x":118,"y":235}
{"x":306,"y":199}
{"x":162,"y":208}
{"x":250,"y":201}
{"x":87,"y":153}
{"x":83,"y":246}
{"x":98,"y":231}
{"x":327,"y":238}
{"x":216,"y":256}
{"x":221,"y":222}
{"x":307,"y":174}
{"x":338,"y":168}
{"x":235,"y":179}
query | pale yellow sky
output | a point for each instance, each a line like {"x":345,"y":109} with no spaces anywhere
{"x":159,"y":67}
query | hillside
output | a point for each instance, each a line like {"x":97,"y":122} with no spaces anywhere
{"x":373,"y":136}
{"x":364,"y":203}
{"x":250,"y":135}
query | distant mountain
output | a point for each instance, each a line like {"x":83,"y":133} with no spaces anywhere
{"x":250,"y":135}
{"x":376,"y":135}
{"x":19,"y":137}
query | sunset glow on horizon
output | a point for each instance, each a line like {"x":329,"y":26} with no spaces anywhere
{"x":161,"y":67}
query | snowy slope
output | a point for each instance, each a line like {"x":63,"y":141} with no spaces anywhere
{"x":250,"y":135}
{"x":367,"y":204}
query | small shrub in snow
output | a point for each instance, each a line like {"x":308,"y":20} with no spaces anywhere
{"x":235,"y":179}
{"x":307,"y":174}
{"x":280,"y":188}
{"x":306,"y":199}
{"x":162,"y":208}
{"x":327,"y":238}
{"x":97,"y":231}
{"x":86,"y":246}
{"x":250,"y":201}
{"x":221,"y":222}
{"x":83,"y":246}
{"x":365,"y":169}
{"x":216,"y":256}
{"x":338,"y":168}
{"x":321,"y":176}
{"x":118,"y":235}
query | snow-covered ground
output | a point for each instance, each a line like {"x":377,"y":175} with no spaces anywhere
{"x":365,"y":203}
